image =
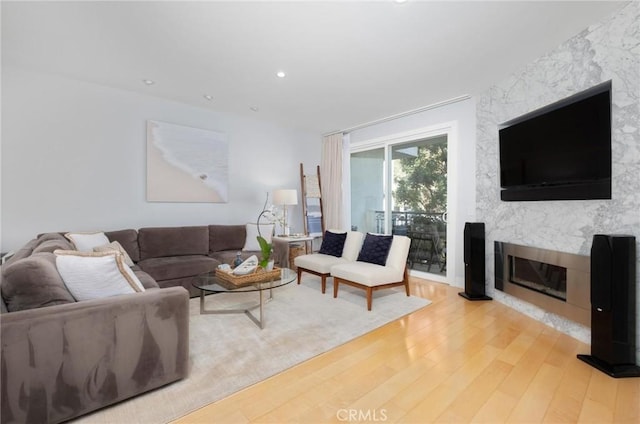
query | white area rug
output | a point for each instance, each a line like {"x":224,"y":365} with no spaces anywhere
{"x":229,"y":352}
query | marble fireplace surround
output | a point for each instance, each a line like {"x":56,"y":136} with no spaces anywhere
{"x":576,"y":307}
{"x":607,"y":50}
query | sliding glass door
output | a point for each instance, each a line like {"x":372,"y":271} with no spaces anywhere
{"x":419,"y":202}
{"x":401,"y":188}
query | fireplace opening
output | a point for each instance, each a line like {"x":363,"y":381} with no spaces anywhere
{"x":557,"y":282}
{"x":539,"y":276}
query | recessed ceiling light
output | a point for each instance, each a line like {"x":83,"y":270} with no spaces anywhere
{"x":148,"y":81}
{"x":281,"y":74}
{"x":208,"y":97}
{"x":254,"y":108}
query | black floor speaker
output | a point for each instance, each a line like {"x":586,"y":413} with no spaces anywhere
{"x":613,"y":306}
{"x":474,"y":262}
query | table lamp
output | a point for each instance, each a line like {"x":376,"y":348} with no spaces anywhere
{"x":285,"y":197}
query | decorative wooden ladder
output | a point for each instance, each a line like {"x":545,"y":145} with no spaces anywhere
{"x":312,"y":211}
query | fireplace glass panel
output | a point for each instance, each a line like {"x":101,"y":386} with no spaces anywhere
{"x":539,"y":276}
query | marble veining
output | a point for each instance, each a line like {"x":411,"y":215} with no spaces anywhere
{"x":607,"y":50}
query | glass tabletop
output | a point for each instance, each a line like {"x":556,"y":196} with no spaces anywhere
{"x":210,"y":283}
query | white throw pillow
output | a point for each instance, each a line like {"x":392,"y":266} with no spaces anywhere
{"x":85,"y":242}
{"x":251,"y":241}
{"x":114,"y":246}
{"x":96,"y":275}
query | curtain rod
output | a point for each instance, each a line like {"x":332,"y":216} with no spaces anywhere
{"x":399,"y":115}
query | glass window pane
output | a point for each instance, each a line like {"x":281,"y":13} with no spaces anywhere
{"x":419,"y":201}
{"x":367,"y":191}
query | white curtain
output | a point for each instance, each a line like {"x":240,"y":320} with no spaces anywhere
{"x":331,"y":181}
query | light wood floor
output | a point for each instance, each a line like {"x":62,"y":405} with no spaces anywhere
{"x":453,"y":361}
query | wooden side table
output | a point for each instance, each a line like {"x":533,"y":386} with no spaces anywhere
{"x":294,"y":250}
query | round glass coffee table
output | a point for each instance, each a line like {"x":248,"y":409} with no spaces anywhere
{"x":210,"y":284}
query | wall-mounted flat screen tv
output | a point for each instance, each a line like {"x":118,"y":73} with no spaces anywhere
{"x":559,"y":152}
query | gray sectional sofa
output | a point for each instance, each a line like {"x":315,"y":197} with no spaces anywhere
{"x":61,"y":359}
{"x":174,"y":256}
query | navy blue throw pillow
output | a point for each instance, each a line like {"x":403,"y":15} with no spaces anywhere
{"x":333,"y":243}
{"x":375,"y":249}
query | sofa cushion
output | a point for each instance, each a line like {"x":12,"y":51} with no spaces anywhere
{"x":128,"y":239}
{"x":33,"y":282}
{"x":226,"y":237}
{"x":96,"y":275}
{"x":85,"y":242}
{"x":168,"y":268}
{"x":173,"y":241}
{"x":251,"y":239}
{"x":147,"y":281}
{"x":50,"y":246}
{"x":375,"y":249}
{"x":228,"y":256}
{"x":22,"y":253}
{"x":51,"y":236}
{"x":114,"y":246}
{"x":28,"y":248}
{"x":333,"y":243}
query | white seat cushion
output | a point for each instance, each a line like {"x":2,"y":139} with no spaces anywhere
{"x":367,"y":274}
{"x":318,"y":262}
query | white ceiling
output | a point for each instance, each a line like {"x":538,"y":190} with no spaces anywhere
{"x":347,"y":63}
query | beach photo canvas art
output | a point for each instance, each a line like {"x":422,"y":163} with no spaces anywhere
{"x":186,"y":164}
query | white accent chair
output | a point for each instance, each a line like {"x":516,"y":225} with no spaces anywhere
{"x":371,"y":277}
{"x":320,"y":264}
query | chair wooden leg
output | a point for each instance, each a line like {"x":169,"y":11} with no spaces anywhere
{"x":324,"y":283}
{"x":406,"y":281}
{"x":299,"y":274}
{"x":369,"y":298}
{"x":335,"y":287}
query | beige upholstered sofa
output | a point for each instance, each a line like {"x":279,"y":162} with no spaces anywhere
{"x":61,"y":358}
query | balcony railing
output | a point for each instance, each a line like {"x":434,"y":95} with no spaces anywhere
{"x":428,"y":234}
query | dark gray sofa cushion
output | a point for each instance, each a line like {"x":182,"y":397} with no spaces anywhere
{"x":228,"y":256}
{"x":50,"y":246}
{"x":33,"y":282}
{"x":128,"y":239}
{"x":147,"y":281}
{"x":173,"y":241}
{"x":173,"y":267}
{"x":227,"y":237}
{"x":29,"y":248}
{"x":22,"y":253}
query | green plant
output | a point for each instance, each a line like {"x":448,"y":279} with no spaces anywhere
{"x":265,"y":249}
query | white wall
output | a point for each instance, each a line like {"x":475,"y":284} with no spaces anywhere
{"x":461,"y":173}
{"x":74,"y":153}
{"x":606,"y":50}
